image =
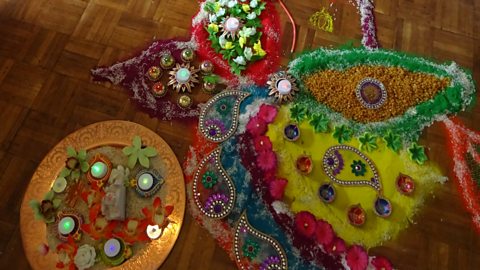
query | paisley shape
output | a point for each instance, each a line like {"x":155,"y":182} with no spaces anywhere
{"x":146,"y":189}
{"x":216,"y":201}
{"x":253,"y":248}
{"x":219,"y":117}
{"x":333,"y":162}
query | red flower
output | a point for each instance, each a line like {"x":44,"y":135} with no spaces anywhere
{"x":99,"y":227}
{"x":324,"y":233}
{"x":382,"y":263}
{"x":357,"y":258}
{"x":277,"y":188}
{"x":305,"y":223}
{"x":267,"y":113}
{"x":262,"y":144}
{"x":256,"y":126}
{"x":337,"y":246}
{"x":267,"y":161}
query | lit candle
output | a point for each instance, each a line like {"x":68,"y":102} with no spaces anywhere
{"x":284,"y":87}
{"x":232,"y":24}
{"x":59,"y":185}
{"x":112,"y":247}
{"x":98,"y":170}
{"x":183,"y":75}
{"x":66,"y":225}
{"x":153,"y":232}
{"x":145,"y":181}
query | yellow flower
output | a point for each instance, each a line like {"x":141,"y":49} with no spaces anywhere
{"x":217,"y":7}
{"x":133,"y":182}
{"x":229,"y":45}
{"x":258,"y":49}
{"x":242,"y":41}
{"x":246,"y":7}
{"x":213,"y":27}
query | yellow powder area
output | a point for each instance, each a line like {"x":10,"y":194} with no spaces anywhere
{"x":302,"y":191}
{"x":404,"y":90}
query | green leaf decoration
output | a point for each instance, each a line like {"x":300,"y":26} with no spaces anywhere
{"x":132,"y":160}
{"x":342,"y":134}
{"x":49,"y":195}
{"x":417,"y":153}
{"x":128,"y":150}
{"x":75,"y":175}
{"x":137,"y":142}
{"x":56,"y":203}
{"x":65,"y":172}
{"x":319,"y":122}
{"x":71,"y":152}
{"x":368,"y":142}
{"x":149,"y":151}
{"x":144,"y":161}
{"x":393,"y":141}
{"x":82,"y":154}
{"x":212,"y":78}
{"x":84,"y":166}
{"x":298,"y":113}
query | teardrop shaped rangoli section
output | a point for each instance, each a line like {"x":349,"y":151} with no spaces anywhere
{"x":219,"y":118}
{"x":213,"y":190}
{"x":256,"y":250}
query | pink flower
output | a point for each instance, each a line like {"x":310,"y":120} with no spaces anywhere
{"x":337,"y":246}
{"x":262,"y":144}
{"x":256,"y":126}
{"x":382,"y":263}
{"x":357,"y":258}
{"x":267,"y":161}
{"x":305,"y":223}
{"x":324,"y":233}
{"x":277,"y":188}
{"x":267,"y":113}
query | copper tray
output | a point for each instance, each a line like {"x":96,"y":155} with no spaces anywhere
{"x":115,"y":133}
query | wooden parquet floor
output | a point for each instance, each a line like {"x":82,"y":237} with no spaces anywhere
{"x":47,"y":48}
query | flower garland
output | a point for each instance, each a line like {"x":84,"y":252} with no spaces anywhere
{"x":367,"y":22}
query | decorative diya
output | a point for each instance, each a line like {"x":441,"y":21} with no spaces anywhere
{"x":68,"y":224}
{"x":291,"y":132}
{"x":100,"y":169}
{"x":183,"y":77}
{"x":154,"y":232}
{"x":304,"y":164}
{"x":356,"y":215}
{"x":148,"y":182}
{"x":371,"y":93}
{"x":114,"y":251}
{"x":405,"y":184}
{"x":382,"y":207}
{"x":167,"y":61}
{"x":326,"y":192}
{"x":231,"y":27}
{"x":282,"y":86}
{"x":154,"y":73}
{"x":159,"y":89}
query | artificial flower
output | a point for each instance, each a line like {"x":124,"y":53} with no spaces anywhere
{"x":209,"y":179}
{"x":256,"y":126}
{"x":85,"y":257}
{"x":254,"y":3}
{"x":98,"y":227}
{"x":138,"y":152}
{"x":252,"y":16}
{"x":222,"y":40}
{"x":381,"y":263}
{"x":324,"y":233}
{"x":336,"y":247}
{"x":213,"y":18}
{"x":133,"y":231}
{"x":417,"y":153}
{"x":262,"y":144}
{"x":66,"y":252}
{"x":267,"y":161}
{"x":231,"y":3}
{"x":342,"y":134}
{"x":277,"y":188}
{"x":393,"y":141}
{"x":223,"y":2}
{"x":220,"y":12}
{"x":75,"y":164}
{"x":305,"y":223}
{"x":246,"y":8}
{"x":213,"y":27}
{"x":229,"y":45}
{"x":319,"y":122}
{"x":250,"y":249}
{"x":358,"y":168}
{"x":46,"y":209}
{"x":267,"y":113}
{"x":368,"y":142}
{"x":132,"y":182}
{"x":218,"y":5}
{"x":240,"y":60}
{"x":157,"y":214}
{"x":242,"y":41}
{"x":248,"y":53}
{"x":298,"y":113}
{"x":357,"y":258}
{"x":247,"y":31}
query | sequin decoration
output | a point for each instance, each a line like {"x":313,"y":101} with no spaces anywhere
{"x":371,"y":93}
{"x":253,"y":248}
{"x":214,"y":198}
{"x":333,"y":163}
{"x":219,"y":123}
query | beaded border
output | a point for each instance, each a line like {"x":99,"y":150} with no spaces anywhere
{"x":243,"y":223}
{"x":328,"y":171}
{"x":241,"y":95}
{"x":215,"y":154}
{"x":358,"y":93}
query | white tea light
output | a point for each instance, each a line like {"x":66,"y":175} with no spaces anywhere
{"x":59,"y":185}
{"x":284,"y":87}
{"x":232,"y":24}
{"x":66,"y":225}
{"x":153,"y":232}
{"x":183,"y":75}
{"x":112,"y":247}
{"x":98,"y":170}
{"x":145,"y":181}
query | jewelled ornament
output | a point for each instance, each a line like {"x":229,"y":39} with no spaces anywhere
{"x":188,"y":55}
{"x":154,"y":73}
{"x":326,"y":192}
{"x":371,"y":93}
{"x":282,"y":86}
{"x":148,"y":182}
{"x":206,"y":67}
{"x":185,"y":102}
{"x":209,"y":87}
{"x":304,"y":164}
{"x":356,"y":215}
{"x":291,"y":132}
{"x":405,"y":184}
{"x":167,"y":61}
{"x":159,"y":89}
{"x":382,"y":207}
{"x":231,"y":27}
{"x":183,"y":77}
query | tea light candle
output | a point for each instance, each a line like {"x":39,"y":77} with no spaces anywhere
{"x":153,"y":232}
{"x":284,"y":87}
{"x":59,"y":185}
{"x":183,"y":75}
{"x":112,"y":247}
{"x":232,"y":24}
{"x":98,"y":170}
{"x":145,"y":181}
{"x":66,"y":225}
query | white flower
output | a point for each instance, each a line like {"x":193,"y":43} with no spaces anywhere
{"x":247,"y":31}
{"x":253,"y":3}
{"x":85,"y":257}
{"x":222,"y":2}
{"x":212,"y":17}
{"x":248,"y":53}
{"x":222,"y":40}
{"x":252,"y":16}
{"x":220,"y":12}
{"x":231,"y":4}
{"x":240,"y":60}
